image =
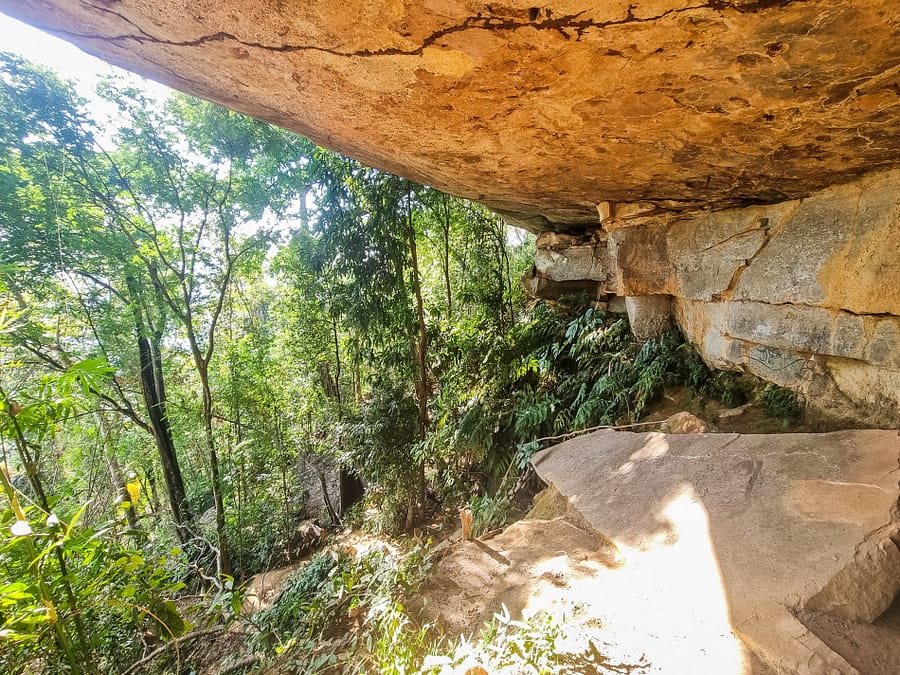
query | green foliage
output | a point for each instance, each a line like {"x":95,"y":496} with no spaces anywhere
{"x":290,"y":610}
{"x":66,"y":575}
{"x":111,"y":586}
{"x":507,"y":645}
{"x":723,"y":386}
{"x":380,"y":442}
{"x":359,"y":595}
{"x":780,"y":402}
{"x":364,"y":599}
{"x":557,"y":372}
{"x":488,"y":513}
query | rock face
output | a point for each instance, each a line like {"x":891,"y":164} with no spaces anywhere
{"x":752,"y":527}
{"x":649,"y":315}
{"x":805,"y":294}
{"x":641,"y":137}
{"x":540,"y":110}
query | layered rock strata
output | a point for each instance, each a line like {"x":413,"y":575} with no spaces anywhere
{"x":805,"y":293}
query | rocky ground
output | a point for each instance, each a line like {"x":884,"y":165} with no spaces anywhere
{"x":656,"y":606}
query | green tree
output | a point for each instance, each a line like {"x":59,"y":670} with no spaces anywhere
{"x":161,"y":224}
{"x":54,"y":225}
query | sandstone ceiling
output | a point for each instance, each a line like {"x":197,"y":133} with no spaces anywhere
{"x":538,"y":110}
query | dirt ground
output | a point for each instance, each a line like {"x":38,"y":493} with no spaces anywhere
{"x":749,"y":418}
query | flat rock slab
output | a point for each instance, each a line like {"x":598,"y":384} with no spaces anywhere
{"x":753,"y":526}
{"x":556,"y":568}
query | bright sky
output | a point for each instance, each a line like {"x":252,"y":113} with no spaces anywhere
{"x":65,"y":59}
{"x":72,"y":64}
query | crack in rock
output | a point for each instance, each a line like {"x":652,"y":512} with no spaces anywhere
{"x":769,"y":233}
{"x":571,"y":22}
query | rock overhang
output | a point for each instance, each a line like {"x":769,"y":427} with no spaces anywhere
{"x":540,"y":111}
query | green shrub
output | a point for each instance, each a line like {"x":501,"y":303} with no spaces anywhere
{"x":290,"y":609}
{"x":488,"y":513}
{"x":381,"y":443}
{"x":780,"y":402}
{"x":360,"y":598}
{"x":509,"y":646}
{"x":556,"y":372}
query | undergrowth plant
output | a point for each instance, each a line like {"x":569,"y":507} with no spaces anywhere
{"x":510,"y":646}
{"x":58,"y":576}
{"x":340,"y":605}
{"x":350,"y":618}
{"x":488,"y":513}
{"x":559,"y":372}
{"x":780,"y":403}
{"x":290,"y":611}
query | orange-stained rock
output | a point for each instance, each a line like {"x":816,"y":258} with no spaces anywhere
{"x":543,"y":110}
{"x":686,"y":423}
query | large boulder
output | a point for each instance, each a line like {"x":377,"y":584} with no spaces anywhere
{"x":748,"y":529}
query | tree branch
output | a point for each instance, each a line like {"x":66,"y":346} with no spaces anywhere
{"x":172,"y":643}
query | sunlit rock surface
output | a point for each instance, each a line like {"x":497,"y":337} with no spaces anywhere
{"x":539,"y":110}
{"x":805,"y":293}
{"x":746,"y":529}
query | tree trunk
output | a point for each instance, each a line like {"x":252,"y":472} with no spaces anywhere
{"x":332,"y":514}
{"x":445,"y":227}
{"x":357,"y":379}
{"x":284,"y":465}
{"x":326,"y":380}
{"x":150,"y":490}
{"x":422,"y":389}
{"x":115,"y":473}
{"x":237,"y":429}
{"x":154,"y":393}
{"x":504,"y":251}
{"x":337,"y":363}
{"x":224,"y":557}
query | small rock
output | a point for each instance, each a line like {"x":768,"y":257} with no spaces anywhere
{"x":687,"y":423}
{"x":734,"y":412}
{"x":616,"y":304}
{"x":307,"y":536}
{"x":649,"y":316}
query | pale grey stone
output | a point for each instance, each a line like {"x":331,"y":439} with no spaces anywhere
{"x":574,"y":263}
{"x":617,"y":304}
{"x":649,"y":315}
{"x":798,"y":328}
{"x":884,"y":346}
